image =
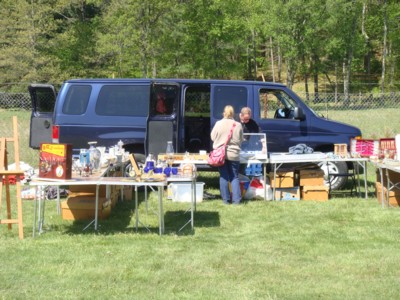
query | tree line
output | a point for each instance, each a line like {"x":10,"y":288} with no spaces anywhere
{"x":342,"y":41}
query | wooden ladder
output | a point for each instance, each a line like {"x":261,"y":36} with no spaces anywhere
{"x":5,"y":174}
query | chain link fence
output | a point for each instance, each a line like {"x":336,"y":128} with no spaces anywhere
{"x":377,"y":115}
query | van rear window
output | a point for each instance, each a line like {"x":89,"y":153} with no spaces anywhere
{"x":77,"y":99}
{"x":123,"y":100}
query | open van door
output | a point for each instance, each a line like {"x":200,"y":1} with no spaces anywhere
{"x":163,"y":119}
{"x":43,"y":98}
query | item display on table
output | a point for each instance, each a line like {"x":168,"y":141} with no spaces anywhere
{"x":55,"y":161}
{"x":254,"y":144}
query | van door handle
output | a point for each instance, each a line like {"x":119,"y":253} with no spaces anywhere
{"x":46,"y":124}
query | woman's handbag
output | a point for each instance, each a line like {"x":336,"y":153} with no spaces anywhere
{"x":216,"y":158}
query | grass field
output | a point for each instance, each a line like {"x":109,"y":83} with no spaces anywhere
{"x":346,"y":248}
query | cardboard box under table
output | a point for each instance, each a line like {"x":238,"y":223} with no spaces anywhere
{"x":310,"y":177}
{"x":283,"y":179}
{"x":287,"y":193}
{"x":315,"y":193}
{"x":394,"y":195}
{"x":82,"y":207}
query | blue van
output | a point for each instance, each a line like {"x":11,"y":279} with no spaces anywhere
{"x":146,"y":113}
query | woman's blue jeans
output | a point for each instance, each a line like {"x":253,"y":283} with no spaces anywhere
{"x":229,"y":173}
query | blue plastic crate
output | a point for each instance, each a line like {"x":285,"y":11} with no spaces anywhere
{"x":254,"y":170}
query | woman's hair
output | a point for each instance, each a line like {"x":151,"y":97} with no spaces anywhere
{"x":228,"y":112}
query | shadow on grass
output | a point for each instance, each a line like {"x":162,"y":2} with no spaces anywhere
{"x":123,"y":220}
{"x":175,"y":220}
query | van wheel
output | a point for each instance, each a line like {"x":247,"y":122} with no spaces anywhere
{"x":140,"y":158}
{"x":340,"y":167}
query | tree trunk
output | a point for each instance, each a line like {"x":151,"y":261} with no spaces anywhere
{"x":347,"y":61}
{"x":367,"y":56}
{"x":272,"y":59}
{"x":306,"y":80}
{"x":384,"y":50}
{"x":279,"y":64}
{"x":336,"y":83}
{"x":290,"y":73}
{"x":315,"y":73}
{"x":253,"y":36}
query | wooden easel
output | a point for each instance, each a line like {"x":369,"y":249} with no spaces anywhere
{"x":5,"y":173}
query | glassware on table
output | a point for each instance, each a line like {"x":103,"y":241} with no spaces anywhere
{"x":94,"y":156}
{"x":150,"y":163}
{"x":170,"y":153}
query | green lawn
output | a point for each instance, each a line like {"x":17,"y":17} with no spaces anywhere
{"x":346,"y":248}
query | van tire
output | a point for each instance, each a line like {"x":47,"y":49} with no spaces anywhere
{"x":140,"y":158}
{"x":337,"y":182}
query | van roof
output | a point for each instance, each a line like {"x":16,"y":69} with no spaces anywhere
{"x":171,"y":80}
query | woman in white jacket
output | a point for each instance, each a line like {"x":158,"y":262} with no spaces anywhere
{"x":230,"y":170}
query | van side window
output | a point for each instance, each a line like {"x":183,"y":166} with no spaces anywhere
{"x":197,"y":101}
{"x":275,"y":104}
{"x":164,"y":98}
{"x":197,"y":118}
{"x":228,"y":95}
{"x":77,"y":99}
{"x":123,"y":100}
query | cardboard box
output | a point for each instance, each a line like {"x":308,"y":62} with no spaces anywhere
{"x":282,"y":179}
{"x":89,"y":189}
{"x":311,"y":177}
{"x":393,"y":176}
{"x":315,"y":193}
{"x":55,"y":161}
{"x":340,"y":150}
{"x":387,"y":148}
{"x":287,"y":193}
{"x":394,"y":195}
{"x":128,"y":192}
{"x":81,"y":207}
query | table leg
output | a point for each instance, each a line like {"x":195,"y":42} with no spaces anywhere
{"x":365,"y":180}
{"x":265,"y":181}
{"x":274,"y":187}
{"x":382,"y":192}
{"x":194,"y":200}
{"x":58,"y":200}
{"x":387,"y":188}
{"x":96,"y":213}
{"x":42,"y":204}
{"x":161,"y":212}
{"x":34,"y":212}
{"x":136,"y":209}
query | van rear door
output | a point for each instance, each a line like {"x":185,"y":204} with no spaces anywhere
{"x":163,"y":120}
{"x":43,"y":98}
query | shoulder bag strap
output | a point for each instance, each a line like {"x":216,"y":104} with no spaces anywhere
{"x":230,"y":133}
